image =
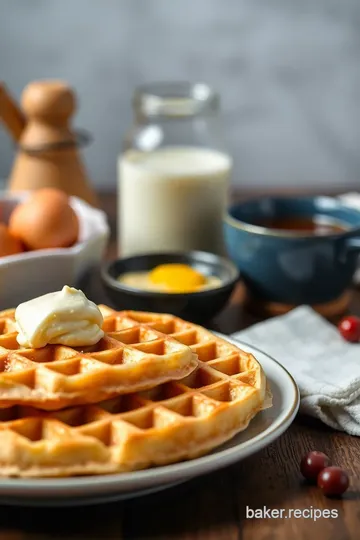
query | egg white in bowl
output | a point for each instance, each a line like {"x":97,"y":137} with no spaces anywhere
{"x":170,"y":278}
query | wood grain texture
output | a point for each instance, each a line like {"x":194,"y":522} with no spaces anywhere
{"x":213,"y":507}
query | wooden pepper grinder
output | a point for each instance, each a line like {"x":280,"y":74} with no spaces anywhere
{"x":48,"y":149}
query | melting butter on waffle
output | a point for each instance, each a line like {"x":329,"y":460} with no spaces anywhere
{"x":130,"y":357}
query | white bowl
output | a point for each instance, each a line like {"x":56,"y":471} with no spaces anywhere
{"x":30,"y":274}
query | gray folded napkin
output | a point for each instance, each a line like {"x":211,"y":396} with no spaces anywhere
{"x":325,"y":366}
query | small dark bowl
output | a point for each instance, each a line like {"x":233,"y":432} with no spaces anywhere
{"x":196,"y":306}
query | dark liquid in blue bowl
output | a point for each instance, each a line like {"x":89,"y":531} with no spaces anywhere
{"x":318,"y":225}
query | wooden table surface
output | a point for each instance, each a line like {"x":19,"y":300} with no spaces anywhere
{"x":213,"y":507}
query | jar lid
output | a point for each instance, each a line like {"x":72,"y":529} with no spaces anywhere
{"x":175,"y":99}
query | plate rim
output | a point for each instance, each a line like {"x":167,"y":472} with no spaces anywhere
{"x":38,"y":487}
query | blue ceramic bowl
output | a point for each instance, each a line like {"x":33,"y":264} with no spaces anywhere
{"x":293,"y":267}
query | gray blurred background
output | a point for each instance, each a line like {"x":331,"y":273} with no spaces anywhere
{"x":288,"y":72}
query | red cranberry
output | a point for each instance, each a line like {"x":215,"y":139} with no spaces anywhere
{"x":349,"y":328}
{"x":312,"y":463}
{"x":333,"y":481}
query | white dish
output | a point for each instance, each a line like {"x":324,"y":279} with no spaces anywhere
{"x":34,"y":273}
{"x":264,"y":429}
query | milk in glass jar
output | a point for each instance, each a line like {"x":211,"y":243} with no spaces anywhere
{"x":173,"y":173}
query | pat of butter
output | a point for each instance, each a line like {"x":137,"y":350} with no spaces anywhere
{"x":64,"y":317}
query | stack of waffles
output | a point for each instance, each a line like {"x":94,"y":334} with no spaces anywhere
{"x":154,"y":390}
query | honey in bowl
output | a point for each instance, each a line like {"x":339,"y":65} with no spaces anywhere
{"x":170,"y":278}
{"x":317,"y":225}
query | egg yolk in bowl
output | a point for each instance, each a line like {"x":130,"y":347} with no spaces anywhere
{"x":177,"y":277}
{"x":170,"y":278}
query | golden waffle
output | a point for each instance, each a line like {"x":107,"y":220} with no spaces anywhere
{"x":174,"y":421}
{"x":132,"y":356}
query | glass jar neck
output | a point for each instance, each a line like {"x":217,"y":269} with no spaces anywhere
{"x":166,"y":100}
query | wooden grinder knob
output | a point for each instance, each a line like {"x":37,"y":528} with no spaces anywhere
{"x":52,"y":101}
{"x":48,"y":106}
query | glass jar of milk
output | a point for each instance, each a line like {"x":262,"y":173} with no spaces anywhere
{"x":173,"y":172}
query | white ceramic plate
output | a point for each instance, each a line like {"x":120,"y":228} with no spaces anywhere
{"x":264,"y":429}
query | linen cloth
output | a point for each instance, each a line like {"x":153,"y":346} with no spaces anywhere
{"x":324,"y":365}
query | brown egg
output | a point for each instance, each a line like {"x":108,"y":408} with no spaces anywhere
{"x":9,"y":244}
{"x":45,"y":220}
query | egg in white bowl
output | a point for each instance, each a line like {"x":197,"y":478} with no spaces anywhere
{"x":29,"y":274}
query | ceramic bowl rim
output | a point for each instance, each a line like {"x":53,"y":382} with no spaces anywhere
{"x":121,"y":287}
{"x":267,"y":231}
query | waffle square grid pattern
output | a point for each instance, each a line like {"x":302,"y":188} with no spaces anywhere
{"x":131,"y":357}
{"x":173,"y":421}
